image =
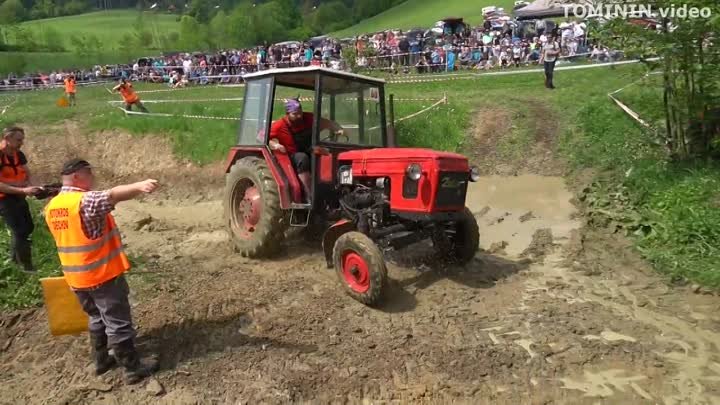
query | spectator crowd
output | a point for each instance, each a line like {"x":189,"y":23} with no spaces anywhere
{"x":498,"y":43}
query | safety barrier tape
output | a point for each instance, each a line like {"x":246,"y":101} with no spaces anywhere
{"x":210,"y":117}
{"x":13,"y":87}
{"x":634,"y":115}
{"x":516,"y":72}
{"x":182,"y":88}
{"x":149,"y":114}
{"x":469,"y":47}
{"x":433,"y":79}
{"x":443,"y":100}
{"x":212,"y":100}
{"x":5,"y":108}
{"x":199,"y":100}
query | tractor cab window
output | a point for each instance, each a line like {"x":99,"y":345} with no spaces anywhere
{"x":254,"y":125}
{"x":356,"y":108}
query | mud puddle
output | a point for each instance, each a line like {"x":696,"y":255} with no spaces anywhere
{"x":511,"y":210}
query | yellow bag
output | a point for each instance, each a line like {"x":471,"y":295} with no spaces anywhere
{"x":62,"y":102}
{"x":65,"y":315}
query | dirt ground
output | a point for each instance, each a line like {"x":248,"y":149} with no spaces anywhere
{"x":549,"y":312}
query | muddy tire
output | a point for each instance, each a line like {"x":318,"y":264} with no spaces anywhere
{"x":360,"y":267}
{"x":460,"y":240}
{"x":255,"y":221}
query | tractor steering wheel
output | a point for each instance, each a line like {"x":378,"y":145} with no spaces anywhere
{"x":333,"y":137}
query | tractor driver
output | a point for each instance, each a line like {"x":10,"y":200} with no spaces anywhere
{"x":292,"y":134}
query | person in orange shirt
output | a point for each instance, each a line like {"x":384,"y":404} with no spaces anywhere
{"x":70,"y":89}
{"x":129,"y":96}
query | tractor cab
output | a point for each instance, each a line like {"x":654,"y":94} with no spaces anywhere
{"x":352,"y":101}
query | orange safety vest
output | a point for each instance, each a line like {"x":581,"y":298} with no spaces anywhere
{"x":11,"y":173}
{"x":128,"y":94}
{"x":86,"y":263}
{"x":69,"y":86}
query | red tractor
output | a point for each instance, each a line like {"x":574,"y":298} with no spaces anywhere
{"x":369,"y":195}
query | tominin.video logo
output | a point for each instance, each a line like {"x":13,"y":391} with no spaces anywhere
{"x":633,"y":10}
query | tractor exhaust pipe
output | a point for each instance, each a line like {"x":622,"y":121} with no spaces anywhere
{"x":391,"y":128}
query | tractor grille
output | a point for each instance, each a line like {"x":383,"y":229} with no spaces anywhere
{"x":452,"y":188}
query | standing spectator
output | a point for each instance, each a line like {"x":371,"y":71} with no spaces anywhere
{"x":450,"y":60}
{"x":517,"y":54}
{"x":415,"y":48}
{"x":404,"y":47}
{"x":70,"y":89}
{"x":308,"y":56}
{"x":550,"y":52}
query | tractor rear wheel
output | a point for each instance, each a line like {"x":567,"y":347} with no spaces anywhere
{"x":360,"y":266}
{"x":458,"y":241}
{"x":256,"y":223}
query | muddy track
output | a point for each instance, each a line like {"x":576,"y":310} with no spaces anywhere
{"x":547,"y":313}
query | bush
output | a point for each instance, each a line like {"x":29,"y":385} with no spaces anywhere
{"x":54,"y":41}
{"x":18,"y":289}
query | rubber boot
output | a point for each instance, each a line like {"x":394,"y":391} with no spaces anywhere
{"x":101,"y":358}
{"x":24,"y":257}
{"x":135,"y":369}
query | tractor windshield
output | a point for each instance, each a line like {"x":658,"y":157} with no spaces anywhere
{"x":356,"y":107}
{"x":254,"y":114}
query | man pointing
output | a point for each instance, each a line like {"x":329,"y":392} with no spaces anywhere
{"x":93,"y":263}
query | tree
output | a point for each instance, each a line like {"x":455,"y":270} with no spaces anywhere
{"x":190,"y":33}
{"x":690,"y":61}
{"x":53,"y":40}
{"x":219,"y":32}
{"x":11,"y":12}
{"x":331,"y":17}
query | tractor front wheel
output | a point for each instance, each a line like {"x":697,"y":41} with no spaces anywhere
{"x":457,"y":242}
{"x":360,"y":266}
{"x":256,"y":223}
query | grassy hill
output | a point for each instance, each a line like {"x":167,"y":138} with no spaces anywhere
{"x":108,"y":26}
{"x":424,"y":13}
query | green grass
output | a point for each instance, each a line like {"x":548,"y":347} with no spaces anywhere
{"x":671,"y":210}
{"x":46,"y":62}
{"x":107,"y":26}
{"x":18,"y":289}
{"x":423,"y":14}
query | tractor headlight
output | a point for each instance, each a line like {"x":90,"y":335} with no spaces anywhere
{"x":474,"y":173}
{"x":381,"y":182}
{"x":413,"y":172}
{"x":345,"y":174}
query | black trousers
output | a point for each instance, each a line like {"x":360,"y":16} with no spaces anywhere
{"x":108,"y":310}
{"x":549,"y":68}
{"x":16,"y":213}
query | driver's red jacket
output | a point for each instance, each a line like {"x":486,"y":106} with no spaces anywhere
{"x":284,"y":131}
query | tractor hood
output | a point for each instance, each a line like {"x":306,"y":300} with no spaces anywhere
{"x":398,"y":154}
{"x":384,"y":161}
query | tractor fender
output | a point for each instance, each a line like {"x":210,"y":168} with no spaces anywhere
{"x":289,"y":188}
{"x":332,"y":234}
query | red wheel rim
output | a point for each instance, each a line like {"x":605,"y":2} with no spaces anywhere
{"x":248,"y":209}
{"x":356,"y":272}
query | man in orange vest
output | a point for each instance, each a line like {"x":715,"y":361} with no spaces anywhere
{"x":93,"y":263}
{"x":129,"y":96}
{"x":70,"y":89}
{"x":14,"y":187}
